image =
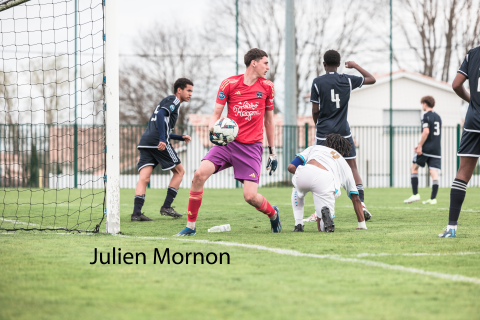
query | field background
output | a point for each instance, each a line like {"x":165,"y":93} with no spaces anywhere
{"x":48,"y":276}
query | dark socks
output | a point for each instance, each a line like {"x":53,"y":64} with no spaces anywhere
{"x":139,"y":201}
{"x":361,"y":194}
{"x":434,"y":189}
{"x":171,"y":194}
{"x":415,"y":183}
{"x":457,"y":195}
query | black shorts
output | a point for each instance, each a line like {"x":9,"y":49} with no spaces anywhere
{"x":353,"y":151}
{"x":167,"y":158}
{"x":433,"y":162}
{"x":470,"y":144}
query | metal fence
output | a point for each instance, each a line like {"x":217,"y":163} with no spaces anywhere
{"x":45,"y":156}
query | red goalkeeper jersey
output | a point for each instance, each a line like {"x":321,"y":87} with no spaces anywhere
{"x":247,"y":105}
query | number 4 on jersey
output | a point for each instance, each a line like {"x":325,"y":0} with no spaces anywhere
{"x":336,"y":98}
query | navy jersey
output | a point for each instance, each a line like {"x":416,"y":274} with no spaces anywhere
{"x":471,"y":69}
{"x":332,"y":92}
{"x":433,"y":122}
{"x":150,"y":137}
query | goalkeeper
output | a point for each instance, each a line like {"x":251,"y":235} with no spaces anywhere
{"x":155,"y":149}
{"x":322,"y":170}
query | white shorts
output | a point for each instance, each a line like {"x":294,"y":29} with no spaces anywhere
{"x":320,"y":182}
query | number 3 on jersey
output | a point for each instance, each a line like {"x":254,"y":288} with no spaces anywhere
{"x":335,"y":98}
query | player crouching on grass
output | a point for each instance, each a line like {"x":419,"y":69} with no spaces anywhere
{"x":250,"y":100}
{"x":428,"y":150}
{"x":155,"y":149}
{"x":322,"y":170}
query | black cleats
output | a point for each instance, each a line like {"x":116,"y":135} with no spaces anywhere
{"x":298,"y":228}
{"x":140,"y":218}
{"x":327,"y":220}
{"x":170,"y":212}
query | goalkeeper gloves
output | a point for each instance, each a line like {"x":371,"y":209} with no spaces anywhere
{"x":217,"y":138}
{"x":272,"y":161}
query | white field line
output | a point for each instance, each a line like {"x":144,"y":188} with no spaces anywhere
{"x":452,"y":277}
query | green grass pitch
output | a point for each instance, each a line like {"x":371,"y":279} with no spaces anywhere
{"x":48,"y":276}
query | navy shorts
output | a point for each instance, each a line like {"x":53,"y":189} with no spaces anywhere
{"x":470,"y":144}
{"x":353,"y":151}
{"x":167,"y":158}
{"x":433,"y":162}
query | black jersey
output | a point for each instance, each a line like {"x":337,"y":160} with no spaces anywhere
{"x":332,"y":92}
{"x":150,"y":137}
{"x":432,"y":146}
{"x":471,"y":69}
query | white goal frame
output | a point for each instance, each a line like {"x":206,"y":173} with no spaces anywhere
{"x":112,"y":122}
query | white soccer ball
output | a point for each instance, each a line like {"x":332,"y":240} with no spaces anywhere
{"x":225,"y":129}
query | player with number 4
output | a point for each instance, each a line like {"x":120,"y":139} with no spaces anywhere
{"x":330,"y":95}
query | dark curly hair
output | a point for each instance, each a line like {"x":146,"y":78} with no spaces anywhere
{"x":338,"y":143}
{"x":332,"y":58}
{"x":181,"y":83}
{"x":254,"y":54}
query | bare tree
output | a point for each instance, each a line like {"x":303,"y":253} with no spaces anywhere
{"x":163,"y":56}
{"x":319,"y":25}
{"x":8,"y":96}
{"x":49,"y":77}
{"x":468,"y":33}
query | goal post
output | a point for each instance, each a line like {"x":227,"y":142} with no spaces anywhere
{"x":112,"y":121}
{"x":59,"y":116}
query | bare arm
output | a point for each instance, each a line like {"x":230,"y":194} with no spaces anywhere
{"x":369,"y":79}
{"x":217,"y":113}
{"x":418,"y":149}
{"x":458,"y":87}
{"x":269,"y":128}
{"x":315,"y":112}
{"x":357,"y":205}
{"x":291,"y":168}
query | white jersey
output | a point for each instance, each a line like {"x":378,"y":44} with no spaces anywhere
{"x":333,"y":162}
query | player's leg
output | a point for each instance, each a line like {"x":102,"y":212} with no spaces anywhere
{"x":145,"y":165}
{"x":457,"y":194}
{"x":258,"y":201}
{"x":468,"y":151}
{"x":414,"y":178}
{"x":358,"y":181}
{"x":323,"y":190}
{"x":434,"y":173}
{"x":172,"y":191}
{"x":300,"y":188}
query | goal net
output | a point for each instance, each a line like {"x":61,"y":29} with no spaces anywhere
{"x":52,"y":117}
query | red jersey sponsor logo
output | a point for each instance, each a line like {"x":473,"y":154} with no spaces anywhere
{"x":246,"y":110}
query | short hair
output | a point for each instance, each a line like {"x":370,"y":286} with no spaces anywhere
{"x":254,"y":54}
{"x":429,"y":101}
{"x":338,"y":143}
{"x":331,"y":58}
{"x":182,"y":84}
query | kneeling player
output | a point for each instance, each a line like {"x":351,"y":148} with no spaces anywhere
{"x":155,"y":149}
{"x":322,"y":170}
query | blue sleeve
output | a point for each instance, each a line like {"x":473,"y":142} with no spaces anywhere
{"x":464,"y":67}
{"x":297,"y":162}
{"x":356,"y":82}
{"x":314,"y":93}
{"x":177,"y":137}
{"x":162,"y":113}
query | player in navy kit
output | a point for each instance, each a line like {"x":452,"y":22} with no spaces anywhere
{"x":469,"y":149}
{"x":155,"y":149}
{"x":428,"y":151}
{"x":330,"y":95}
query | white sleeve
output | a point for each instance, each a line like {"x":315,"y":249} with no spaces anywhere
{"x":347,"y":178}
{"x":304,"y":154}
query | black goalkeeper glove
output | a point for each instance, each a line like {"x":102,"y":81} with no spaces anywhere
{"x":272,"y":162}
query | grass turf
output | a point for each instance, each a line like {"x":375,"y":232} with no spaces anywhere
{"x":48,"y":276}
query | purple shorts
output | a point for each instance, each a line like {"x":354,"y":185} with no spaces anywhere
{"x":246,"y":159}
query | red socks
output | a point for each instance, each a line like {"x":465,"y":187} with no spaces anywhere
{"x":266,"y":208}
{"x":194,"y":203}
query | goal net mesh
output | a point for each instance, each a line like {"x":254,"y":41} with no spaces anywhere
{"x":52,"y":129}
